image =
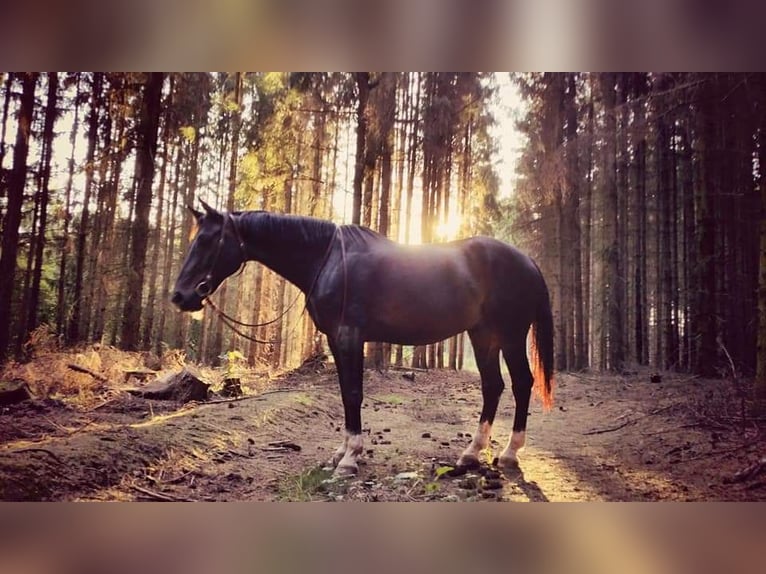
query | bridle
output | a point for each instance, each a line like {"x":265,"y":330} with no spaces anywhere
{"x":203,"y":289}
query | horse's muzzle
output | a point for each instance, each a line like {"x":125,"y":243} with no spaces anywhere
{"x":191,"y":303}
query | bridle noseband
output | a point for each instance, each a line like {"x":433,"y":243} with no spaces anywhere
{"x":203,"y":288}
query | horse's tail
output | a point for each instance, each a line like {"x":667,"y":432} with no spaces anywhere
{"x":541,"y":350}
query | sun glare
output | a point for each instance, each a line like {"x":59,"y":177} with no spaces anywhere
{"x":198,"y":315}
{"x":448,"y":229}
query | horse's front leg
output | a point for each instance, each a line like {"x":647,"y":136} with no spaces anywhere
{"x":348,"y":350}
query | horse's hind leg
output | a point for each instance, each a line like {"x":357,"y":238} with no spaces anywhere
{"x":515,"y":355}
{"x":348,"y":351}
{"x":487,"y":354}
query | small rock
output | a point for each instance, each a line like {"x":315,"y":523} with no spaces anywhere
{"x":488,"y":473}
{"x":385,"y":442}
{"x":426,"y":435}
{"x":412,"y":475}
{"x":445,"y":443}
{"x":459,"y":435}
{"x":493,"y":484}
{"x":386,"y":430}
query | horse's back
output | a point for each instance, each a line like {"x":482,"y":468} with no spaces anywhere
{"x":418,"y":294}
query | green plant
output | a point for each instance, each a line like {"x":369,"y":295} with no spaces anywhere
{"x":304,"y":400}
{"x":391,"y":399}
{"x":306,"y":485}
{"x":433,"y":486}
{"x":233,"y":364}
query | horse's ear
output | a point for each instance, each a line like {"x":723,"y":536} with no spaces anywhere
{"x":197,"y":214}
{"x":210,"y":210}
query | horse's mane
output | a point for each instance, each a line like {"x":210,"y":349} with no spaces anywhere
{"x":358,"y":235}
{"x":288,"y":227}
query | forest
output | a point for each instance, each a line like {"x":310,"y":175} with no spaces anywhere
{"x":638,"y":194}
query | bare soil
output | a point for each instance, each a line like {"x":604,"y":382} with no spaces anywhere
{"x":607,"y":438}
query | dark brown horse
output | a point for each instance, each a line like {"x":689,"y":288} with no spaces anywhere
{"x":361,"y":287}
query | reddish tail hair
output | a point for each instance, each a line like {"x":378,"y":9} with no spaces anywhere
{"x":541,"y":353}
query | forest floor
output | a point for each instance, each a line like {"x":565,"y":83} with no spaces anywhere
{"x":608,"y":438}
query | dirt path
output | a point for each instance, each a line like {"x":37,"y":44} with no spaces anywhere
{"x":607,"y":438}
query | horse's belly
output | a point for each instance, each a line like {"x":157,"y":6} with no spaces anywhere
{"x":419,"y":320}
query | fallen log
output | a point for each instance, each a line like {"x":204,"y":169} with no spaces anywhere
{"x":181,"y":387}
{"x":14,"y":392}
{"x":87,"y":371}
{"x":408,"y":369}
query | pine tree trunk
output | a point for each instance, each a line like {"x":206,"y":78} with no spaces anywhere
{"x":688,"y":262}
{"x":639,"y":300}
{"x":151,"y":300}
{"x":577,"y":345}
{"x":9,"y":80}
{"x":145,"y":164}
{"x":760,"y":375}
{"x":665,"y":178}
{"x":10,"y":239}
{"x":104,"y":243}
{"x":48,"y":135}
{"x":61,"y":301}
{"x":163,"y":334}
{"x":76,"y":331}
{"x":363,"y":88}
{"x":611,"y":255}
{"x":706,"y":189}
{"x":588,"y":243}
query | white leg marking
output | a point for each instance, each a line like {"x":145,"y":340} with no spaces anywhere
{"x":515,"y":443}
{"x":347,"y":465}
{"x":339,"y":452}
{"x":480,"y":441}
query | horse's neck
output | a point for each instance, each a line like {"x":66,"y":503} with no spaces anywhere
{"x":293,"y":247}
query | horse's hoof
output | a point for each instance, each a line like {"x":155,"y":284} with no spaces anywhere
{"x":345,"y":470}
{"x":468,"y":461}
{"x":507,"y":463}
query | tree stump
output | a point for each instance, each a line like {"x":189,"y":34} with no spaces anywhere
{"x":14,"y":392}
{"x":232,"y":387}
{"x":181,"y":387}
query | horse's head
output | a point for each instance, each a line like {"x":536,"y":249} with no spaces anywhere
{"x":215,"y":253}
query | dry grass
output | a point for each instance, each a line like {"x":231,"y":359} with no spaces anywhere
{"x":48,"y":374}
